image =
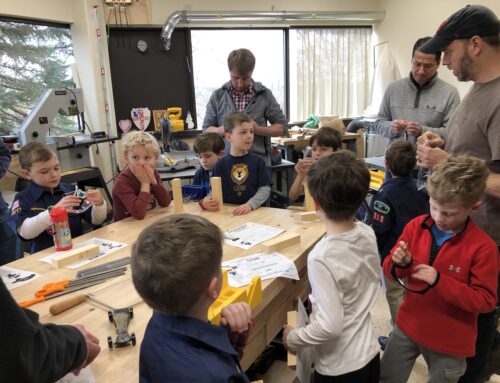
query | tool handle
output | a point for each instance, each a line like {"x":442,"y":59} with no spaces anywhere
{"x":30,"y":302}
{"x":51,"y":288}
{"x":60,"y":307}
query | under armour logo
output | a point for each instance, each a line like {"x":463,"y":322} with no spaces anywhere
{"x":457,"y":268}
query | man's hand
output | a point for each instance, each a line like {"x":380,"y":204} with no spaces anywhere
{"x":95,"y":197}
{"x":430,"y":139}
{"x":428,"y":157}
{"x":69,"y":202}
{"x":286,"y":330}
{"x":425,"y":273}
{"x":398,"y":127}
{"x":401,"y":256}
{"x":93,"y":348}
{"x":413,"y":128}
{"x":242,"y":209}
{"x":237,"y":316}
{"x":210,"y":204}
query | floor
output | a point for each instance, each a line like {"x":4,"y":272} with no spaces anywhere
{"x":280,"y":373}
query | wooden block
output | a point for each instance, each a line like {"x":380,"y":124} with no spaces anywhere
{"x":291,"y":319}
{"x":307,"y":216}
{"x":216,"y":185}
{"x":71,"y":256}
{"x":308,"y":199}
{"x":280,"y":242}
{"x":177,"y":195}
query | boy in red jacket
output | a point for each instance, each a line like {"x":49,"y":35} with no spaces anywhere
{"x":449,"y":268}
{"x":138,"y":188}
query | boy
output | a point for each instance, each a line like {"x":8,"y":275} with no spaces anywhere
{"x":450,"y":268}
{"x":138,"y":188}
{"x":344,"y":273}
{"x":245,"y":179}
{"x":179,"y":275}
{"x":396,"y":203}
{"x":209,"y":148}
{"x":326,"y":141}
{"x":30,"y":210}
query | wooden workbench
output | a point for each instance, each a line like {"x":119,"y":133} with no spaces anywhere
{"x":122,"y":365}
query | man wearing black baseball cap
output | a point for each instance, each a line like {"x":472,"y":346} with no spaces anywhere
{"x":470,"y":40}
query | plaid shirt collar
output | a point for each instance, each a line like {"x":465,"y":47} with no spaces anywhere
{"x":242,"y":99}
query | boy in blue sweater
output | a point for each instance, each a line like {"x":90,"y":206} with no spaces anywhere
{"x":209,"y":148}
{"x":245,"y":179}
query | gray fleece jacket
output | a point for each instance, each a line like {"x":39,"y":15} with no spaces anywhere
{"x":431,"y":105}
{"x":262,"y":108}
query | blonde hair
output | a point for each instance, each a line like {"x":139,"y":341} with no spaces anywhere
{"x":459,"y":179}
{"x":140,"y":138}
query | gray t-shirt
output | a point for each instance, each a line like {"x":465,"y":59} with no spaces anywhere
{"x":474,"y":129}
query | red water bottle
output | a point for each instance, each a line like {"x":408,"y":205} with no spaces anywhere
{"x":60,"y":228}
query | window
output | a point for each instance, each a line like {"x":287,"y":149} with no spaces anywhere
{"x":210,"y":49}
{"x":329,"y":71}
{"x":33,"y":58}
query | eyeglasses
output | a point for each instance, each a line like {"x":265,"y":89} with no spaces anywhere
{"x":427,"y":66}
{"x":409,"y":283}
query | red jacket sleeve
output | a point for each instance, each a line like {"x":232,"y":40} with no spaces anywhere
{"x":136,"y":205}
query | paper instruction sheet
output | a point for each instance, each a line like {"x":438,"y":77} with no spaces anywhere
{"x":14,"y":277}
{"x":105,"y":247}
{"x":250,"y":234}
{"x":267,"y":266}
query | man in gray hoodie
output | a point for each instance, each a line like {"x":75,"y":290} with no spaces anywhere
{"x":243,"y":94}
{"x":418,"y":103}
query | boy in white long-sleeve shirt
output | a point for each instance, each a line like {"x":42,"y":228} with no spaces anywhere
{"x":344,"y":273}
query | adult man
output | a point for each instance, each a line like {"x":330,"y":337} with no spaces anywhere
{"x":33,"y":352}
{"x":418,"y":103}
{"x":470,"y":39}
{"x":243,"y":94}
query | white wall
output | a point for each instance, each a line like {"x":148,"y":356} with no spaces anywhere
{"x":53,"y":10}
{"x":407,"y":20}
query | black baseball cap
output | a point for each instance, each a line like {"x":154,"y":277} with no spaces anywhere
{"x":473,"y":20}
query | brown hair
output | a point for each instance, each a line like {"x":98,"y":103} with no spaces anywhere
{"x":35,"y":152}
{"x":339,"y":183}
{"x":419,"y":43}
{"x":328,"y":137}
{"x":171,"y":267}
{"x":401,"y":158}
{"x":459,"y":179}
{"x":208,"y":142}
{"x":234,"y":119}
{"x":242,"y":60}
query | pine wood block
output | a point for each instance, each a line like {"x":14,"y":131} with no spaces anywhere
{"x":177,"y":195}
{"x":307,"y":216}
{"x":280,"y":242}
{"x":308,"y":199}
{"x":291,"y":320}
{"x":216,"y":186}
{"x":75,"y":255}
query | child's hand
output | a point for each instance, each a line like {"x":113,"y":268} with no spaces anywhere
{"x":95,"y":197}
{"x":150,"y":172}
{"x":210,"y":204}
{"x":286,"y":330}
{"x":401,"y":255}
{"x":425,"y":273}
{"x":237,"y":316}
{"x":303,"y":166}
{"x":242,"y":209}
{"x":69,"y":202}
{"x":140,"y":173}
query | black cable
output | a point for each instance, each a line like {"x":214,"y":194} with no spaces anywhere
{"x":17,"y":175}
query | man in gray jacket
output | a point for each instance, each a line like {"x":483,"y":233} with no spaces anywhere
{"x":243,"y":94}
{"x":418,"y":103}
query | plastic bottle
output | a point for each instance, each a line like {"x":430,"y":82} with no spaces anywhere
{"x":189,"y":120}
{"x":61,"y":230}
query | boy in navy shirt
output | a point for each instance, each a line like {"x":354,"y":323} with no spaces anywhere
{"x":209,"y":148}
{"x":179,"y":275}
{"x":396,"y":203}
{"x":245,"y":179}
{"x":30,"y":209}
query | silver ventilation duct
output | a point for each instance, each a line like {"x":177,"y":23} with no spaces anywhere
{"x":226,"y":16}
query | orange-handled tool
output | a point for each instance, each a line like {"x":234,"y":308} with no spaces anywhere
{"x":52,"y":288}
